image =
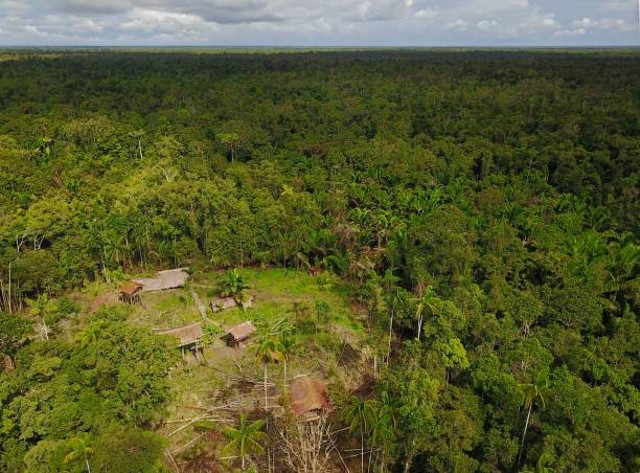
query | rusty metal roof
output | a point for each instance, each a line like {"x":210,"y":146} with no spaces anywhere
{"x":130,"y":288}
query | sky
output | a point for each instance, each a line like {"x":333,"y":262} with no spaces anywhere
{"x":319,"y":22}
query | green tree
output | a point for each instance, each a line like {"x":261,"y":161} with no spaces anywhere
{"x":360,"y":416}
{"x":233,"y":284}
{"x":245,"y":439}
{"x":533,"y":393}
{"x":40,"y":307}
{"x":81,"y":451}
{"x":13,"y":331}
{"x":270,"y":350}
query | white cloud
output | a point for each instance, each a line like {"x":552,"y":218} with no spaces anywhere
{"x":620,"y":6}
{"x":389,"y":22}
{"x":458,"y":25}
{"x":487,"y":24}
{"x":428,"y":13}
{"x":570,"y":33}
{"x":605,"y":24}
{"x":151,"y":21}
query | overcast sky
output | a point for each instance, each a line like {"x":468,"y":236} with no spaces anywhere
{"x":319,"y":22}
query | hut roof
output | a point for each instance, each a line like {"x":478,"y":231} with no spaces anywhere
{"x":187,"y":335}
{"x":307,"y":395}
{"x":242,"y":331}
{"x":169,"y":279}
{"x":222,"y":303}
{"x":130,"y":288}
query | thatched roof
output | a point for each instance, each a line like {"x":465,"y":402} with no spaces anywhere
{"x":187,"y":335}
{"x":130,"y":288}
{"x":222,"y":303}
{"x":309,"y":395}
{"x":170,"y":279}
{"x":241,"y":331}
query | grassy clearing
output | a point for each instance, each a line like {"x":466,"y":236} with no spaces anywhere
{"x":229,"y":381}
{"x":224,"y":382}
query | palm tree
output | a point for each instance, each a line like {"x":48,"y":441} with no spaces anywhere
{"x":383,"y":429}
{"x":532,"y":392}
{"x":359,"y":415}
{"x":245,"y":439}
{"x":81,"y":449}
{"x":427,"y":300}
{"x":287,"y":343}
{"x":270,"y":350}
{"x":541,"y":465}
{"x":231,"y":140}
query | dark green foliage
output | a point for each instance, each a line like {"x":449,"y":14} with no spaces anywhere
{"x":128,"y":451}
{"x":117,"y":374}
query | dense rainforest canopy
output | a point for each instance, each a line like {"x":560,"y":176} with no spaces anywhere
{"x":485,"y":206}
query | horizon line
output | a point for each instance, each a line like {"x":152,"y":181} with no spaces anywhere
{"x":282,"y":46}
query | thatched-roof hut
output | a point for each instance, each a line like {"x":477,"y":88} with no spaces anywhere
{"x":130,"y":292}
{"x":223,"y":303}
{"x":240,"y":333}
{"x":187,"y":335}
{"x":309,"y":398}
{"x":169,"y":279}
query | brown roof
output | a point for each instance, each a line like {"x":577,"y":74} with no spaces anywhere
{"x":308,"y":394}
{"x":242,"y":331}
{"x":130,"y":288}
{"x":188,"y":334}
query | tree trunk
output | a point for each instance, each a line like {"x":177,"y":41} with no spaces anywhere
{"x":10,"y":308}
{"x":524,"y":433}
{"x":419,"y":327}
{"x":265,"y":387}
{"x":390,"y":335}
{"x":361,"y":449}
{"x":285,"y":374}
{"x":45,"y":328}
{"x":86,"y":460}
{"x":407,"y":463}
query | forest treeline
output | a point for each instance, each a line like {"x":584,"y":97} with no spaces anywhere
{"x":485,"y":204}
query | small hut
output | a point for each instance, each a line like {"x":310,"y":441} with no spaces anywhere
{"x":130,"y":293}
{"x":223,"y":303}
{"x":313,"y":271}
{"x":188,"y":336}
{"x":239,"y":333}
{"x":309,"y":398}
{"x":164,"y":280}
